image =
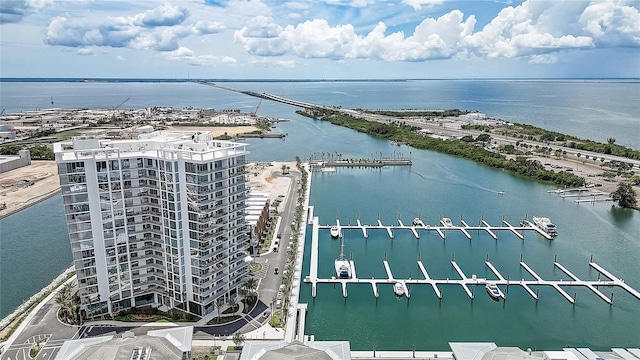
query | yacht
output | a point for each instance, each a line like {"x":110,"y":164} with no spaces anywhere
{"x":335,"y":231}
{"x":416,"y":222}
{"x":398,"y":289}
{"x":342,"y":265}
{"x":493,"y":290}
{"x":544,"y":224}
{"x":446,"y":222}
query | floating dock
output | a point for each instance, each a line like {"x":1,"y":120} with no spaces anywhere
{"x":361,"y":162}
{"x":466,"y":283}
{"x":441,"y":230}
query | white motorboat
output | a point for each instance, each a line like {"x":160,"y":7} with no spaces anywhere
{"x":544,"y":224}
{"x":446,"y":222}
{"x":342,"y":265}
{"x":398,"y":289}
{"x":493,"y":290}
{"x":335,"y":231}
{"x":416,"y":221}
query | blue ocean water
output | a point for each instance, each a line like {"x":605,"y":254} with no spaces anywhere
{"x":435,"y":186}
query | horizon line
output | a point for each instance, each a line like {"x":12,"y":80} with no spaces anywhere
{"x":170,"y":79}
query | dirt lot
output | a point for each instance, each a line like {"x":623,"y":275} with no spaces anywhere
{"x":216,"y":130}
{"x":22,"y":187}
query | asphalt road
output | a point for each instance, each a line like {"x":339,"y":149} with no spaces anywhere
{"x":45,"y":327}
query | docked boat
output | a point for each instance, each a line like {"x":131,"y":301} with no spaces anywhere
{"x":544,"y":224}
{"x":416,"y":222}
{"x":342,"y":265}
{"x":493,"y":290}
{"x":335,"y":231}
{"x":446,"y":222}
{"x":398,"y":289}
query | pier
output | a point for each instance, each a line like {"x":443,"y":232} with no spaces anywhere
{"x":319,"y":164}
{"x":466,"y":283}
{"x":440,"y":229}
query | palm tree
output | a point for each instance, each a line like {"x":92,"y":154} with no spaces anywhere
{"x":238,"y":338}
{"x":219,"y":304}
{"x":68,"y":302}
{"x":232,"y":302}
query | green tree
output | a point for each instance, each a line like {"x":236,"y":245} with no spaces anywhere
{"x":10,"y":150}
{"x":69,"y":303}
{"x":635,"y":179}
{"x":238,"y":338}
{"x":624,"y":195}
{"x":232,"y":303}
{"x":219,"y":305}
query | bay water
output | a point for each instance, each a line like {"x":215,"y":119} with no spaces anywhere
{"x":34,"y":244}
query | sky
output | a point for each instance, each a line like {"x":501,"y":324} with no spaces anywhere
{"x":321,"y":39}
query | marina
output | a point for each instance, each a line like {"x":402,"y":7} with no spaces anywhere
{"x":446,"y":225}
{"x":402,"y":287}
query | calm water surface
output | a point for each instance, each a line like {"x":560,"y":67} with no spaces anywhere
{"x":435,"y":186}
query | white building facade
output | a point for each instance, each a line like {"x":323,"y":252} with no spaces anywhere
{"x":155,"y":221}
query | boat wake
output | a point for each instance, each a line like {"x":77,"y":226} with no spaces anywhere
{"x":458,"y":183}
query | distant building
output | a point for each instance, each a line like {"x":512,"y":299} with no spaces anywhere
{"x":155,"y":221}
{"x":8,"y":162}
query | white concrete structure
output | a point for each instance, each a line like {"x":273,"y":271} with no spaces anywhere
{"x":8,"y":163}
{"x":158,"y":220}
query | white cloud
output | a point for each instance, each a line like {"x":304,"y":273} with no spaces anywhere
{"x":529,"y":29}
{"x":165,"y":15}
{"x":158,"y":29}
{"x":418,"y":4}
{"x":189,"y":56}
{"x":228,"y":60}
{"x":208,"y":27}
{"x":119,"y":58}
{"x":12,"y":11}
{"x":611,"y":24}
{"x":543,"y":59}
{"x":433,"y":38}
{"x":352,"y":3}
{"x":85,"y":51}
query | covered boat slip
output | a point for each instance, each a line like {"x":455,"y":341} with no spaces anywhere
{"x":467,"y":283}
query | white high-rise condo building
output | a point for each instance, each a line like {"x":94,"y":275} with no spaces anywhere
{"x":155,"y":221}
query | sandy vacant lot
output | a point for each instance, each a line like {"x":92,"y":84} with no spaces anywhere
{"x":216,"y":130}
{"x":22,"y":187}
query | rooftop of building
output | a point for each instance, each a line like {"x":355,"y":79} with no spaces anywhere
{"x":171,"y":145}
{"x":281,"y":350}
{"x":165,"y":344}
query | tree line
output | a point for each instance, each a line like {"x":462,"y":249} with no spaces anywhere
{"x":465,"y":149}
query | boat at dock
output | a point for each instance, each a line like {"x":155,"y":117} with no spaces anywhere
{"x":398,"y":289}
{"x":544,"y":224}
{"x":446,"y":222}
{"x":416,"y":221}
{"x":335,"y":231}
{"x":342,"y":265}
{"x":493,"y":290}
